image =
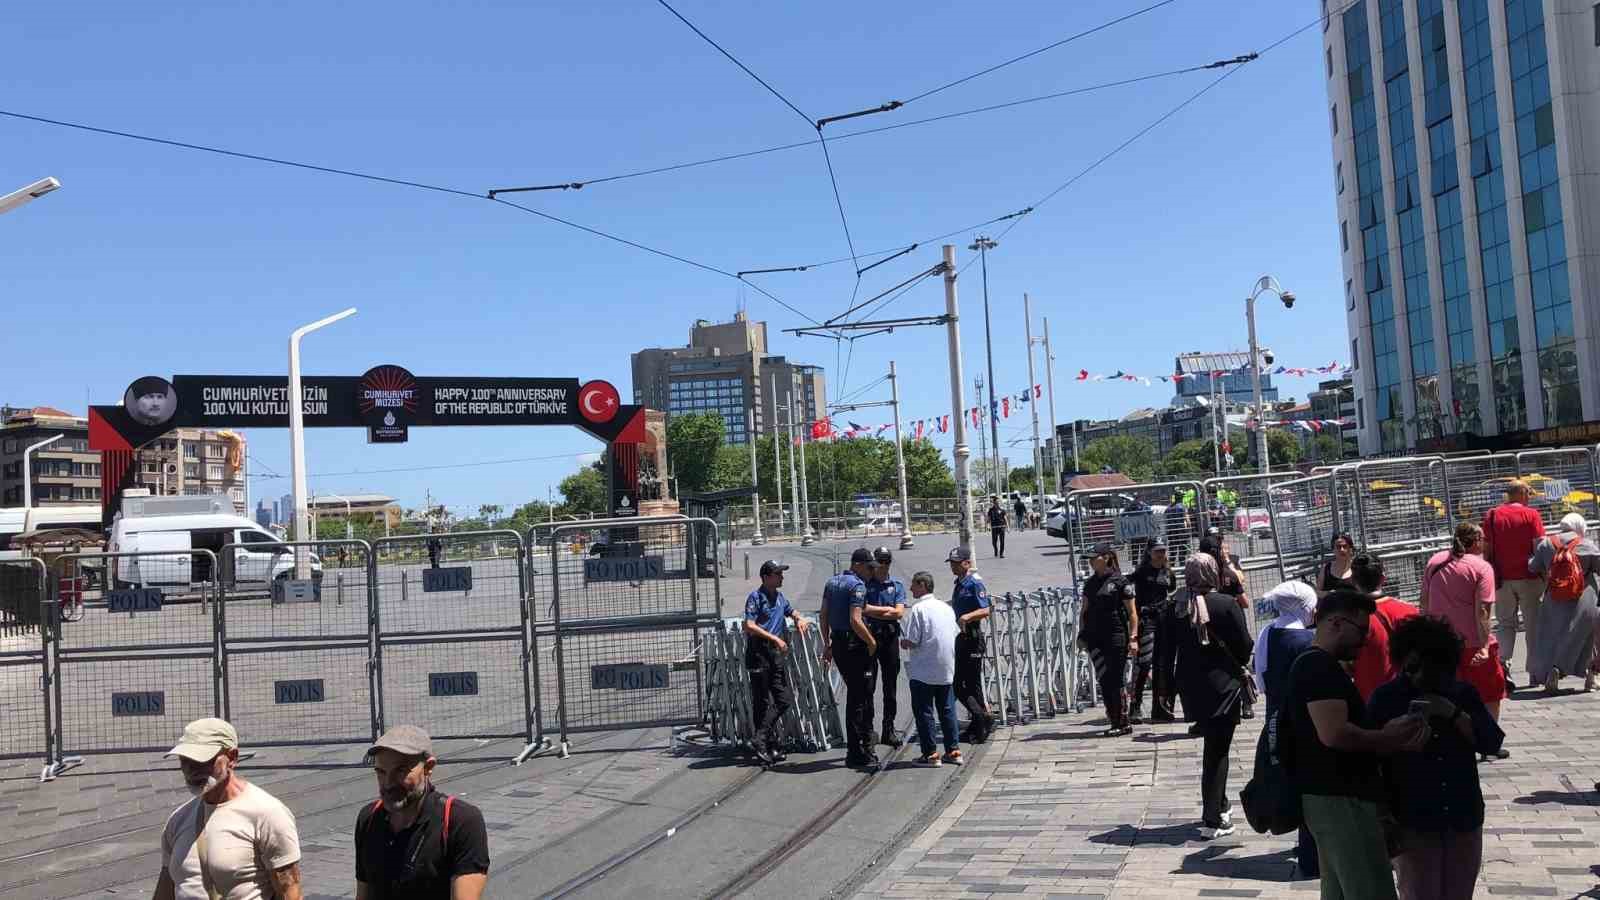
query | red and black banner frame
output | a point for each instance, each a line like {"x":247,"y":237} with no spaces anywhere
{"x":387,"y":400}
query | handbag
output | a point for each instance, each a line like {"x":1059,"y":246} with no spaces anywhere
{"x":1271,"y":801}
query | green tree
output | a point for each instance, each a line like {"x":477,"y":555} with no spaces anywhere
{"x":927,"y":473}
{"x":692,"y":443}
{"x":1327,"y":447}
{"x":584,"y":492}
{"x":730,"y":469}
{"x":1189,"y":458}
{"x":1021,"y":479}
{"x":1131,"y":456}
{"x":1283,"y":448}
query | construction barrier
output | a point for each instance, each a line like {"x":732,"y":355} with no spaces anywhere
{"x":25,"y":724}
{"x":812,"y":723}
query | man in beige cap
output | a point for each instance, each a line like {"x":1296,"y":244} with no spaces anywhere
{"x":233,"y":841}
{"x":414,"y":842}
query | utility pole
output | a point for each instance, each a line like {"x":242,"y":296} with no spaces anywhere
{"x":983,"y":245}
{"x":756,"y":539}
{"x":807,"y":537}
{"x":794,"y":482}
{"x":1033,"y":405}
{"x":900,"y":462}
{"x":983,"y":440}
{"x":961,"y":452}
{"x":1216,"y":441}
{"x":1050,"y":390}
{"x":777,"y":455}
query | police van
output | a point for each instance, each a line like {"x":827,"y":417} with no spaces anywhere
{"x":174,"y":527}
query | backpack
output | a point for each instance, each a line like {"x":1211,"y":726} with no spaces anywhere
{"x":444,"y":833}
{"x":1566,"y":571}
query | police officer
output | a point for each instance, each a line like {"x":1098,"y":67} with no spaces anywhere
{"x":886,"y":605}
{"x":970,"y":601}
{"x":766,"y":627}
{"x":848,"y":642}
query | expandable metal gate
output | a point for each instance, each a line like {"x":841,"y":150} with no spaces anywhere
{"x":439,"y":631}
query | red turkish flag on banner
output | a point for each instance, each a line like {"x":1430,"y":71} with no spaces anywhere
{"x":1005,"y":407}
{"x":821,"y":430}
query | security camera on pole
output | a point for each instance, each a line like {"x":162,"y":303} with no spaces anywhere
{"x":1266,"y":284}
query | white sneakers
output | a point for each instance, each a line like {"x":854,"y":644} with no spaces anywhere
{"x":1207,"y":833}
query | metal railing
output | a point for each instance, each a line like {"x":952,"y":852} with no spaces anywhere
{"x":812,"y":722}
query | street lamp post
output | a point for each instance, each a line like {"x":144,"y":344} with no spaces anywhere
{"x":347,"y":513}
{"x":26,"y":195}
{"x":297,"y":440}
{"x":27,"y":469}
{"x":751,"y":431}
{"x":983,"y":245}
{"x":1266,"y":284}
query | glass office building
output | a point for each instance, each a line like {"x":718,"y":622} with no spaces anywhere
{"x":1466,"y":138}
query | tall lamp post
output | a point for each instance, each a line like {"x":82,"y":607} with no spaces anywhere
{"x":297,"y":441}
{"x":1266,"y":284}
{"x":32,"y":192}
{"x":27,"y":469}
{"x":983,"y":245}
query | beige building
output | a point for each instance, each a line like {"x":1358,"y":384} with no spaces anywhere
{"x":190,"y":461}
{"x":375,"y":508}
{"x":65,"y":472}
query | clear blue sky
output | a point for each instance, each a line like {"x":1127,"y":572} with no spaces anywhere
{"x":153,"y":260}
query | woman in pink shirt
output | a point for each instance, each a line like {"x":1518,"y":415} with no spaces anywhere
{"x":1458,"y":586}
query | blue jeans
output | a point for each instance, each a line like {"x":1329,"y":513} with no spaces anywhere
{"x":930,"y":701}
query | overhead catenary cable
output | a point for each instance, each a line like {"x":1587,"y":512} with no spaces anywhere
{"x":733,"y":59}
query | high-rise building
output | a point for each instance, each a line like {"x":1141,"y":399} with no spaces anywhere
{"x":65,"y":472}
{"x":1464,"y":135}
{"x":263,"y":514}
{"x":725,"y":370}
{"x":1219,"y":376}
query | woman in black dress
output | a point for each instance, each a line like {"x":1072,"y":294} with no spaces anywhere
{"x":1108,"y":629}
{"x":1337,"y":574}
{"x":1214,"y":647}
{"x":1158,"y":650}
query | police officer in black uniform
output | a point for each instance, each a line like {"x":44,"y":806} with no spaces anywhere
{"x":886,"y":604}
{"x":848,"y":642}
{"x":766,"y":627}
{"x":970,"y":600}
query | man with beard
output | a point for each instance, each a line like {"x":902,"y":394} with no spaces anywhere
{"x":233,"y":840}
{"x":414,"y":842}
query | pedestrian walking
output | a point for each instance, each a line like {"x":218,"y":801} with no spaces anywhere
{"x":1213,"y":651}
{"x":1332,"y":754}
{"x":886,"y":605}
{"x":1434,"y":792}
{"x":997,"y":527}
{"x":1335,"y":574}
{"x":767,"y":614}
{"x":1373,"y":665}
{"x":1458,"y":586}
{"x":416,"y":842}
{"x":1511,"y":531}
{"x":435,"y":548}
{"x":1562,"y":643}
{"x":232,"y":840}
{"x":1277,"y":647}
{"x":1108,"y":628}
{"x":970,"y":602}
{"x":1153,"y":583}
{"x":928,"y":634}
{"x":1021,"y":510}
{"x":1179,"y":528}
{"x":849,"y":644}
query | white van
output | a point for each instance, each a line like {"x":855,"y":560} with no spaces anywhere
{"x":257,"y":557}
{"x":18,"y":519}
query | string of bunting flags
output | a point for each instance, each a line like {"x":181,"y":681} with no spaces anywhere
{"x":1003,"y":407}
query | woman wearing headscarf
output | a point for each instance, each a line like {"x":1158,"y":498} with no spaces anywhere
{"x":1152,"y":587}
{"x":1108,"y":627}
{"x":1569,"y":563}
{"x":1214,"y":647}
{"x":1276,"y":648}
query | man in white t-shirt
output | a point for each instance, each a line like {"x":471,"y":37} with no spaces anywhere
{"x":233,"y":841}
{"x":929,"y":631}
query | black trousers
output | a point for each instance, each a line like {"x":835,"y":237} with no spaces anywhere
{"x":860,"y":672}
{"x":770,"y":695}
{"x":997,"y":539}
{"x":1110,"y":661}
{"x":968,"y":684}
{"x":1157,"y":668}
{"x":1214,"y":768}
{"x":888,"y":663}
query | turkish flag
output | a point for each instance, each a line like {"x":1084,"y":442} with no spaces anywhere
{"x":821,"y":430}
{"x":1005,"y":407}
{"x":1037,"y":392}
{"x":1083,"y":374}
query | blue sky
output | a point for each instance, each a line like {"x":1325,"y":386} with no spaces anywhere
{"x":154,"y":260}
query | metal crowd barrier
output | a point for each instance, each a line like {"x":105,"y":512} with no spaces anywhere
{"x":812,"y":723}
{"x":1034,"y":667}
{"x":25,"y":718}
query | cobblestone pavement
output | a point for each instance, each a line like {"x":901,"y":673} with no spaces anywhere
{"x":1055,"y":810}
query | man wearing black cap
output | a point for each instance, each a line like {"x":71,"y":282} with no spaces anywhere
{"x":997,"y":526}
{"x":414,"y":842}
{"x":766,"y":625}
{"x":848,"y":642}
{"x":886,"y":606}
{"x":970,"y":601}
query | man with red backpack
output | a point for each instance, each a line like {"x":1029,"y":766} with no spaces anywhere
{"x":1510,"y":532}
{"x":415,"y":842}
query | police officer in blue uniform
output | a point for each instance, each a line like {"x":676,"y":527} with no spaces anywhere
{"x":766,"y":627}
{"x":886,"y":605}
{"x":848,"y":642}
{"x":970,"y":601}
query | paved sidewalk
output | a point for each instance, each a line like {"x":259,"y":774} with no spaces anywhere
{"x":1054,"y":810}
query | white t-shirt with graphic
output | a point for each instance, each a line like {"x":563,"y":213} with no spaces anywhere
{"x":247,"y":839}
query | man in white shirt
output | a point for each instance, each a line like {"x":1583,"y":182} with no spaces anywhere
{"x":233,"y":841}
{"x":929,"y":631}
